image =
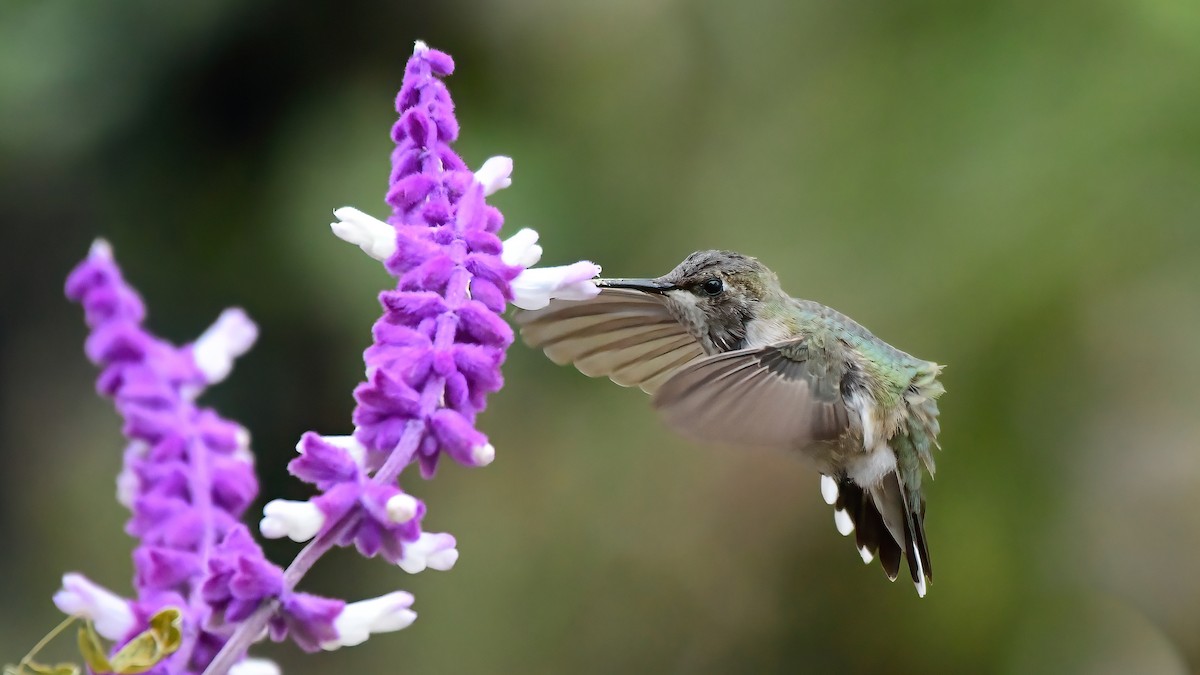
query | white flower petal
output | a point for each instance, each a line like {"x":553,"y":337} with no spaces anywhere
{"x":534,"y":288}
{"x":127,"y":487}
{"x":298,"y":521}
{"x":101,"y":249}
{"x":483,"y":454}
{"x":442,"y":560}
{"x":402,"y":508}
{"x":359,"y":620}
{"x":111,"y":614}
{"x":230,"y":336}
{"x":375,"y":237}
{"x":495,"y":174}
{"x":579,"y":290}
{"x":242,"y":451}
{"x":432,"y":550}
{"x":253,"y":666}
{"x":521,"y":249}
{"x":128,"y":483}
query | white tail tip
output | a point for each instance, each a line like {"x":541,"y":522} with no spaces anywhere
{"x":842,"y":520}
{"x":829,"y":489}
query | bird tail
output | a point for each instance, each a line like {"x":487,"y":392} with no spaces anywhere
{"x":885,"y":524}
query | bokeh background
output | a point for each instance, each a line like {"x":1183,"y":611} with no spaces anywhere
{"x":1009,"y":187}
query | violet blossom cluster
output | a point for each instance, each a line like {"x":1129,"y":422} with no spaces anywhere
{"x":436,"y":355}
{"x":188,"y":478}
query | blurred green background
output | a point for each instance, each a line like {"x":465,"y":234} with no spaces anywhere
{"x":1008,"y":187}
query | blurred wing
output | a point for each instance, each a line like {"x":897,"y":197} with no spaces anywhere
{"x":626,"y":335}
{"x":774,"y":396}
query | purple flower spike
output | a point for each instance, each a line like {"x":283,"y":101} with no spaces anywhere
{"x":187,"y":476}
{"x":441,"y":341}
{"x":418,"y":402}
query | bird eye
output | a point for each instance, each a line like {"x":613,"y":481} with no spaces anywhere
{"x":712,"y":287}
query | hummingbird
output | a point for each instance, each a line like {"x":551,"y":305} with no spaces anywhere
{"x":729,"y":357}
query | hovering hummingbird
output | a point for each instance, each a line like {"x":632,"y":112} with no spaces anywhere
{"x":730,"y":357}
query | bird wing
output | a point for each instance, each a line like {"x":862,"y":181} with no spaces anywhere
{"x":628,"y":336}
{"x":779,"y":395}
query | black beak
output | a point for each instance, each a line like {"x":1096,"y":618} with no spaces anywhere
{"x":643,"y":285}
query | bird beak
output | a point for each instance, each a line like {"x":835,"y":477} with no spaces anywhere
{"x":643,"y":285}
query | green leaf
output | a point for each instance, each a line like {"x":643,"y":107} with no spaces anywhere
{"x":92,"y":649}
{"x":167,"y":628}
{"x":152,"y":645}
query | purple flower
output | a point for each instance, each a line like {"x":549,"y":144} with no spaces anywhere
{"x":387,"y":521}
{"x":187,"y":479}
{"x":310,"y":621}
{"x":188,"y":474}
{"x":436,"y":355}
{"x":439,"y":345}
{"x":238,"y":580}
{"x":112,"y":615}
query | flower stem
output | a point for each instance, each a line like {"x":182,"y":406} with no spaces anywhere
{"x":28,"y":658}
{"x":252,"y":628}
{"x":403,"y":454}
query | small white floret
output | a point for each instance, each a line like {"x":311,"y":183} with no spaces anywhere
{"x":375,"y":237}
{"x":484,"y":454}
{"x":230,"y":336}
{"x":111,"y":614}
{"x":101,"y":249}
{"x":522,"y":249}
{"x":128,"y":483}
{"x":842,"y":520}
{"x":242,"y":450}
{"x":402,"y":508}
{"x":359,"y":620}
{"x":127,"y":487}
{"x":251,"y":666}
{"x":432,"y":550}
{"x":829,"y":490}
{"x":534,"y":288}
{"x":495,"y":174}
{"x":298,"y":521}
